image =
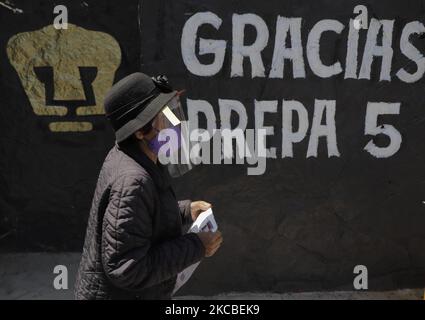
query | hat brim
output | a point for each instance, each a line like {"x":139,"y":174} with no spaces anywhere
{"x":151,"y":110}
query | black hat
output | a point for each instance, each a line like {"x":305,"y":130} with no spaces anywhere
{"x":134,"y":101}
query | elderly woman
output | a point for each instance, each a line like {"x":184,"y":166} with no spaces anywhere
{"x":135,"y":242}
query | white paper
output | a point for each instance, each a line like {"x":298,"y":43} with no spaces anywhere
{"x":204,"y":223}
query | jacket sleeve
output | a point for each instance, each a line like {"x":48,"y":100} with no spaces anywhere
{"x":130,"y":260}
{"x":185,"y":212}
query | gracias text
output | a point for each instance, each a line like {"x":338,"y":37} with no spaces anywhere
{"x":378,"y":44}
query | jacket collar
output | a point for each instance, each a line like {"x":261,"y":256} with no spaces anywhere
{"x":158,"y":172}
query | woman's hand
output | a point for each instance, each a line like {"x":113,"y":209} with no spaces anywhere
{"x":211,"y":241}
{"x":196,"y":207}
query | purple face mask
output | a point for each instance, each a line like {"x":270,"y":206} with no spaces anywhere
{"x":173,"y":145}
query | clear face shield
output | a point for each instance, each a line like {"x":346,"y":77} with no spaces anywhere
{"x":171,"y":144}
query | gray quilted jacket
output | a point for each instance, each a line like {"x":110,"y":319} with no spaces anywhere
{"x":136,"y":241}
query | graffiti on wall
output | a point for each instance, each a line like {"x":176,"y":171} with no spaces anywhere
{"x":366,"y":54}
{"x":65,"y":73}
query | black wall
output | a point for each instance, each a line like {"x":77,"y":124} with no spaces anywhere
{"x":306,"y":222}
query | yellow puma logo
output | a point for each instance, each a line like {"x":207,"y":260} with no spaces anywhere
{"x":65,"y":72}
